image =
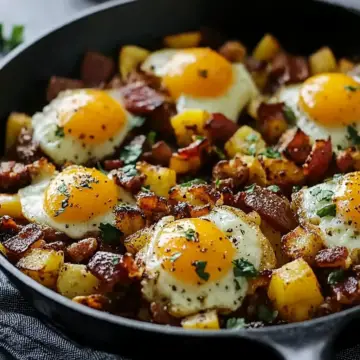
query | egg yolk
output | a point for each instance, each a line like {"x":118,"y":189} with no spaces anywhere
{"x":79,"y":194}
{"x":347,"y":199}
{"x":331,"y":99}
{"x":92,"y":116}
{"x":195,"y":251}
{"x":199,"y":72}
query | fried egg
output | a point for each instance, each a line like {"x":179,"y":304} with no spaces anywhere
{"x":75,"y":201}
{"x":200,"y":78}
{"x":324,"y":106}
{"x":189,"y":263}
{"x":82,"y":125}
{"x":334,"y":207}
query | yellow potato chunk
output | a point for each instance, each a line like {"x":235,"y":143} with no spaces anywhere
{"x":135,"y":242}
{"x":159,"y":179}
{"x":130,"y":57}
{"x":345,"y":65}
{"x":42,"y":265}
{"x":322,"y":61}
{"x":10,"y":205}
{"x":15,"y":123}
{"x":75,"y":280}
{"x":267,"y":48}
{"x":182,"y":165}
{"x":204,"y":321}
{"x":295,"y":291}
{"x":2,"y":249}
{"x":188,"y":123}
{"x":246,"y":141}
{"x":257,"y":173}
{"x":183,"y":40}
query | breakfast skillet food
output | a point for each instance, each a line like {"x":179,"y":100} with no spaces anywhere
{"x":194,"y":186}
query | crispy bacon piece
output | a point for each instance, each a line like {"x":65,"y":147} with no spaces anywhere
{"x":330,"y":306}
{"x":129,"y":219}
{"x":153,"y":206}
{"x":318,"y":161}
{"x":184,"y":210}
{"x":52,"y":235}
{"x":27,"y":150}
{"x":96,"y":69}
{"x":57,"y":84}
{"x":272,"y":121}
{"x":82,"y":250}
{"x":112,"y":268}
{"x":113,"y":164}
{"x":273,"y":208}
{"x":57,"y":246}
{"x":347,"y":292}
{"x":295,"y":144}
{"x":160,"y":119}
{"x":96,"y":301}
{"x":196,"y":148}
{"x":219,"y":128}
{"x":345,"y":161}
{"x":8,"y":228}
{"x":233,"y":173}
{"x":129,"y":180}
{"x":30,"y":236}
{"x":233,"y":51}
{"x":160,"y":154}
{"x":13,"y":176}
{"x":161,"y":316}
{"x":332,"y":258}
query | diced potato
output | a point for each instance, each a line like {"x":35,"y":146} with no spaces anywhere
{"x":188,"y":123}
{"x":135,"y":242}
{"x":183,"y":40}
{"x":204,"y":321}
{"x":129,"y":219}
{"x":42,"y":265}
{"x":199,"y":195}
{"x":76,"y":280}
{"x":246,"y":141}
{"x":182,"y":165}
{"x":295,"y":291}
{"x":302,"y":243}
{"x":322,"y":61}
{"x":257,"y":173}
{"x":15,"y":123}
{"x":130,"y":57}
{"x":267,"y":48}
{"x":159,"y":179}
{"x":345,"y":65}
{"x":2,"y":249}
{"x":10,"y":205}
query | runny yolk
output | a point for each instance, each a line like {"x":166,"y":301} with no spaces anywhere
{"x":347,"y":199}
{"x":331,"y":99}
{"x":195,"y":251}
{"x":91,"y":116}
{"x":198,"y":72}
{"x":79,"y":194}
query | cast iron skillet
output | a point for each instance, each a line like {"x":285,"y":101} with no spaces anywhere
{"x":301,"y":28}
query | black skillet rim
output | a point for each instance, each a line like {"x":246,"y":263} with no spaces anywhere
{"x":131,"y":323}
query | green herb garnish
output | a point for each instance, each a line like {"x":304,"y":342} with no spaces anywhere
{"x":265,"y":314}
{"x":315,"y":191}
{"x":289,"y":114}
{"x":235,"y":323}
{"x":203,"y":73}
{"x":273,"y":188}
{"x":59,"y":132}
{"x":219,"y":153}
{"x":251,"y":150}
{"x":200,"y":270}
{"x":328,"y":210}
{"x":271,"y":153}
{"x":244,"y":268}
{"x":190,"y":234}
{"x":137,"y":121}
{"x":296,"y":188}
{"x":351,"y":88}
{"x":353,"y":135}
{"x":110,"y":234}
{"x":250,"y":188}
{"x":252,"y":138}
{"x":115,"y":260}
{"x":151,"y":136}
{"x":199,"y":137}
{"x":146,"y":189}
{"x":217,"y":183}
{"x":129,"y":170}
{"x":335,"y":277}
{"x":193,"y":182}
{"x":131,"y":153}
{"x":15,"y":39}
{"x":237,"y":285}
{"x":325,"y":195}
{"x":62,"y":189}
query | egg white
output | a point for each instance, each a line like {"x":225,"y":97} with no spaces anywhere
{"x":68,"y":148}
{"x":239,"y":94}
{"x":226,"y":294}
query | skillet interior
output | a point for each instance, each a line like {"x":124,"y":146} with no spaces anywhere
{"x":23,"y":80}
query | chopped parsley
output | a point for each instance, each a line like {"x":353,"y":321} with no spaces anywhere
{"x":190,"y":234}
{"x":110,"y":234}
{"x":252,"y":138}
{"x":244,"y":268}
{"x":325,"y":195}
{"x":115,"y":260}
{"x":129,"y":170}
{"x":62,"y":189}
{"x":151,"y":136}
{"x":175,"y":256}
{"x":273,"y":188}
{"x":237,"y":285}
{"x":15,"y":39}
{"x":251,"y":150}
{"x":199,"y":137}
{"x":146,"y":189}
{"x":335,"y":277}
{"x":328,"y":210}
{"x":265,"y":314}
{"x":203,"y":73}
{"x":296,"y":188}
{"x":217,"y":183}
{"x":137,"y":121}
{"x":271,"y":153}
{"x":193,"y":182}
{"x":289,"y":114}
{"x":353,"y":135}
{"x":131,"y":153}
{"x":315,"y":191}
{"x":351,"y":88}
{"x":250,"y":188}
{"x":59,"y":132}
{"x":219,"y":153}
{"x":235,"y":323}
{"x":200,"y":270}
{"x":337,"y":176}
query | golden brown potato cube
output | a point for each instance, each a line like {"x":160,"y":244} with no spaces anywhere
{"x":183,"y":40}
{"x":10,"y":205}
{"x":196,"y":195}
{"x":76,"y":280}
{"x":182,"y":165}
{"x":2,"y":249}
{"x":234,"y":51}
{"x":188,"y":123}
{"x":267,"y":48}
{"x":204,"y":321}
{"x":246,"y":141}
{"x":302,"y":243}
{"x":295,"y":291}
{"x":129,"y":219}
{"x":257,"y":173}
{"x":345,"y":65}
{"x":15,"y":123}
{"x":135,"y":242}
{"x":322,"y":61}
{"x":96,"y":301}
{"x":129,"y":59}
{"x":159,"y":179}
{"x":42,"y":265}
